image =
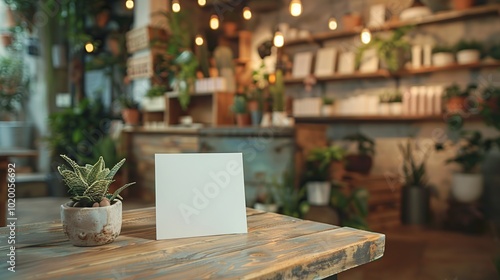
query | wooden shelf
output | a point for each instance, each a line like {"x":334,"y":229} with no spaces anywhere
{"x":384,"y":74}
{"x":446,"y":16}
{"x":376,"y":119}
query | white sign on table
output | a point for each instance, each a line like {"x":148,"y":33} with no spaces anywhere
{"x":199,"y":195}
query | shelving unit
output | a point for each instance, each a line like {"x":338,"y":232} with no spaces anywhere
{"x":446,"y":16}
{"x":378,"y":119}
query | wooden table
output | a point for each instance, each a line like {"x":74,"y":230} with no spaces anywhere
{"x":276,"y":247}
{"x":5,"y":154}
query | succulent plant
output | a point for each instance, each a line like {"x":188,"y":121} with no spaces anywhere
{"x":88,"y":185}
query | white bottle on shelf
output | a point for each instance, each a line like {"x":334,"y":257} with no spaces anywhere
{"x":414,"y":100}
{"x":438,"y":100}
{"x":429,"y":101}
{"x":406,"y":101}
{"x":422,"y":99}
{"x":427,"y":55}
{"x":416,"y":56}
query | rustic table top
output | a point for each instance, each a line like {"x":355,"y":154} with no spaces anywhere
{"x":276,"y":246}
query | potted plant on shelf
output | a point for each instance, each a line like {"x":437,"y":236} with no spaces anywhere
{"x":362,"y":161}
{"x":456,"y":98}
{"x":392,"y":51}
{"x":318,"y":173}
{"x":277,"y":91}
{"x":327,"y":106}
{"x":416,"y":193}
{"x":490,"y":107}
{"x":467,"y":185}
{"x":154,"y":100}
{"x":351,"y":20}
{"x":384,"y":107}
{"x":239,"y":107}
{"x":256,"y":106}
{"x":130,"y":110}
{"x":468,"y":51}
{"x":442,"y":56}
{"x":396,"y":103}
{"x":463,"y":4}
{"x":94,"y":216}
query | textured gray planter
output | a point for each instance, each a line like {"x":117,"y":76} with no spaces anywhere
{"x":15,"y":134}
{"x":415,"y":208}
{"x":92,"y":226}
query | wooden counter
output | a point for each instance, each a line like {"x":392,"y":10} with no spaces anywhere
{"x":276,"y":247}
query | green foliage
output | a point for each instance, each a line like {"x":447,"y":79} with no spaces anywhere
{"x":13,"y":84}
{"x":472,"y":150}
{"x":128,"y":102}
{"x":366,"y":145}
{"x":186,"y":76}
{"x":413,"y":168}
{"x":390,"y":50}
{"x":455,"y":91}
{"x":352,"y":207}
{"x":494,"y":51}
{"x":90,"y":183}
{"x":239,"y":105}
{"x":490,"y":111}
{"x":468,"y":45}
{"x":328,"y":100}
{"x":105,"y":147}
{"x":156,"y":91}
{"x":442,"y":49}
{"x":290,"y":199}
{"x":318,"y":162}
{"x":69,"y":129}
{"x":391,"y":97}
{"x":277,"y":91}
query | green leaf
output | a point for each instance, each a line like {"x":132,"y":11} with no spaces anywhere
{"x":118,"y":191}
{"x":115,"y":169}
{"x":74,"y":182}
{"x":97,"y":190}
{"x":98,"y":166}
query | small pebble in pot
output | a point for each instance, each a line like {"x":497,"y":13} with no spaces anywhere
{"x":96,"y":204}
{"x":104,"y":202}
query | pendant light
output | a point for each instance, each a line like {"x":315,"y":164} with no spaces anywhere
{"x":202,"y":3}
{"x":332,"y":23}
{"x":366,"y":36}
{"x":247,"y":13}
{"x":89,"y":47}
{"x":176,"y":6}
{"x":199,"y":40}
{"x":278,"y":40}
{"x":295,"y":8}
{"x":214,"y":22}
{"x":129,"y":4}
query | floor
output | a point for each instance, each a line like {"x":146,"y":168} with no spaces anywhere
{"x":411,"y":253}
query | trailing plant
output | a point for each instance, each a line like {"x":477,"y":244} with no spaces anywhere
{"x":352,"y":206}
{"x":471,"y":150}
{"x":239,"y":105}
{"x":468,"y":45}
{"x":277,"y":91}
{"x":442,"y":49}
{"x":88,"y":185}
{"x":365,"y":145}
{"x":318,"y":162}
{"x":490,"y":109}
{"x":390,"y":50}
{"x":156,"y":91}
{"x":413,"y":168}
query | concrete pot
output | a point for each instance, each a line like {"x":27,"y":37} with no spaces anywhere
{"x":466,"y":187}
{"x":468,"y":56}
{"x":92,"y":226}
{"x":442,"y":59}
{"x":415,"y":207}
{"x":462,"y":4}
{"x":318,"y":193}
{"x":266,"y":207}
{"x":131,"y":116}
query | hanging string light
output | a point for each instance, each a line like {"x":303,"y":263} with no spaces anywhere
{"x":332,"y":23}
{"x":214,"y":22}
{"x":176,"y":6}
{"x":278,"y":40}
{"x":295,"y":8}
{"x":366,"y":36}
{"x":198,"y":40}
{"x":202,"y":2}
{"x":247,"y":13}
{"x":89,"y":47}
{"x":129,"y":4}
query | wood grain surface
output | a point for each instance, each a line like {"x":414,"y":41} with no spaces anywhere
{"x":276,"y":247}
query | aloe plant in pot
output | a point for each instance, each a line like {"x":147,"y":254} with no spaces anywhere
{"x":94,"y":216}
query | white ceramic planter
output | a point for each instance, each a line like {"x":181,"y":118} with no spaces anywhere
{"x":468,"y":56}
{"x":266,"y":207}
{"x":279,"y":119}
{"x":466,"y":187}
{"x":384,"y":109}
{"x":318,"y":193}
{"x":92,"y":226}
{"x":327,"y":110}
{"x":153,"y":104}
{"x":396,"y":108}
{"x":442,"y":59}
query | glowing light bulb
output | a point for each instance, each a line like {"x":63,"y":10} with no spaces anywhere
{"x":366,"y":36}
{"x":295,"y":8}
{"x":89,"y":47}
{"x":129,"y":4}
{"x":202,"y":2}
{"x":176,"y":6}
{"x":332,"y":23}
{"x":198,"y":40}
{"x":214,"y":22}
{"x":247,"y":13}
{"x":279,"y":40}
